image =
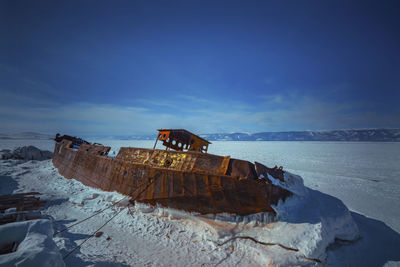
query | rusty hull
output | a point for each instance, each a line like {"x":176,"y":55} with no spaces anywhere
{"x":190,"y":181}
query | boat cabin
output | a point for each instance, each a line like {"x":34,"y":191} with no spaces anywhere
{"x":181,"y":140}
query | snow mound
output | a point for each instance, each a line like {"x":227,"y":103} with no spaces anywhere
{"x":307,"y":222}
{"x":312,"y":222}
{"x":26,"y":153}
{"x":299,"y":235}
{"x":36,"y":246}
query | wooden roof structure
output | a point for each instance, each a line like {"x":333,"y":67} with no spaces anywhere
{"x":181,"y":139}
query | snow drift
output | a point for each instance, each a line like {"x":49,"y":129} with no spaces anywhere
{"x":26,"y":153}
{"x":35,"y":244}
{"x":306,"y":223}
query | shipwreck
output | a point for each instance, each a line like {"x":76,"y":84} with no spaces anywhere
{"x":183,"y":176}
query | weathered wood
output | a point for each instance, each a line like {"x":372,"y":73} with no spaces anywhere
{"x":18,"y":216}
{"x":18,"y":194}
{"x":21,"y":201}
{"x":8,"y":248}
{"x":18,"y":200}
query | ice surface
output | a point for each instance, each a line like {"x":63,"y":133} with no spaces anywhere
{"x":159,"y":236}
{"x":364,"y":175}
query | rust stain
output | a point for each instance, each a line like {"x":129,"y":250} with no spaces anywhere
{"x":180,"y":140}
{"x":191,"y":181}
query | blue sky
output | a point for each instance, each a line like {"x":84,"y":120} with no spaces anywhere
{"x":130,"y":67}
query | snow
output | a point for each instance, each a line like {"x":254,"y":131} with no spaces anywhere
{"x":365,"y":176}
{"x":309,"y":222}
{"x":26,"y":153}
{"x":313,"y":221}
{"x":15,"y":143}
{"x":36,"y":246}
{"x":292,"y":182}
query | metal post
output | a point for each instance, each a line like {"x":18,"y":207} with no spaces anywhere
{"x":155,"y":143}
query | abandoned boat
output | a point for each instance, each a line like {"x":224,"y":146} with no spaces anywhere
{"x":183,"y":176}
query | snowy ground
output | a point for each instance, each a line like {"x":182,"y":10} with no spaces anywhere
{"x":166,"y":237}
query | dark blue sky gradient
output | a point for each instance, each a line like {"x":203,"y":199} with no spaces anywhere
{"x":209,"y":66}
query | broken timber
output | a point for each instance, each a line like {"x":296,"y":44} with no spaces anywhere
{"x":25,"y":205}
{"x":21,"y":202}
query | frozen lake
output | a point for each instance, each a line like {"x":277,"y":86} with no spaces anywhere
{"x":364,"y":175}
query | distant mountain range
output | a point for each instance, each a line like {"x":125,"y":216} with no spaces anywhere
{"x":371,"y":135}
{"x":27,"y":135}
{"x":365,"y":135}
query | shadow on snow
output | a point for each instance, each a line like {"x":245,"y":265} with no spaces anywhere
{"x":7,"y":185}
{"x":377,"y":245}
{"x":74,"y":239}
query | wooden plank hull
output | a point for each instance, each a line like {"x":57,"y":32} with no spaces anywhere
{"x":195,"y":183}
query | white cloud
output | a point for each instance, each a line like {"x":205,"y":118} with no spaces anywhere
{"x":276,"y":113}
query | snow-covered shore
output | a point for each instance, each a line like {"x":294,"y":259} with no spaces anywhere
{"x":305,"y":233}
{"x":364,"y":175}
